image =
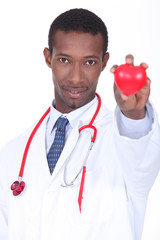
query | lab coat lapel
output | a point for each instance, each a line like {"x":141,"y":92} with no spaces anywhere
{"x":37,"y":160}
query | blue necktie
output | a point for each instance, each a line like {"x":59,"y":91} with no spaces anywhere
{"x":58,"y":143}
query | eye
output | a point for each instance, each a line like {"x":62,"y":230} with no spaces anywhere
{"x":63,"y":60}
{"x":91,"y":62}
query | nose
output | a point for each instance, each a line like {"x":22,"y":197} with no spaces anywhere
{"x":76,"y":73}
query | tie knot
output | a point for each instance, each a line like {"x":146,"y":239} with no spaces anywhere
{"x":61,"y":123}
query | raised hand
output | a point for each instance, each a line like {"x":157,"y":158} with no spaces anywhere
{"x":132,"y":106}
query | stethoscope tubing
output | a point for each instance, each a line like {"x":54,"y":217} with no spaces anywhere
{"x":18,"y":186}
{"x":71,"y":183}
{"x":29,"y":142}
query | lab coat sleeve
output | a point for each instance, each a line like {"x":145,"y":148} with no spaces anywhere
{"x":3,"y":205}
{"x":3,"y":221}
{"x":139,"y":157}
{"x":135,"y":128}
{"x":139,"y":160}
{"x":10,"y":160}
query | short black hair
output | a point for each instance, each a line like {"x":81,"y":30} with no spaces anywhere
{"x":79,"y":20}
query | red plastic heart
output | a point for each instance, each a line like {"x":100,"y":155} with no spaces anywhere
{"x":130,"y":79}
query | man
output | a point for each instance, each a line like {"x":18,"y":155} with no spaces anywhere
{"x":76,"y":193}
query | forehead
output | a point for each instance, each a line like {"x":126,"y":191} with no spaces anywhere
{"x":78,"y":41}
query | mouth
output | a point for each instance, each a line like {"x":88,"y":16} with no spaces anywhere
{"x":75,"y":93}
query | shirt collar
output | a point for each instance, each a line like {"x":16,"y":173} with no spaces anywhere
{"x":73,"y":116}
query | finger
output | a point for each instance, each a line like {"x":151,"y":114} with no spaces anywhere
{"x":144,"y":65}
{"x":119,"y":94}
{"x":113,"y":68}
{"x":129,"y":59}
{"x":123,"y":96}
{"x":148,"y":81}
{"x":147,"y":86}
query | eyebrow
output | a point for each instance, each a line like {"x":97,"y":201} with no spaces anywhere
{"x":87,"y":57}
{"x":63,"y":54}
{"x":91,"y":56}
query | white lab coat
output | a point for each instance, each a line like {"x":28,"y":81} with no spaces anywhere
{"x":151,"y":228}
{"x":120,"y":172}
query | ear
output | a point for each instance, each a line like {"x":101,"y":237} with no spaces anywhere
{"x":105,"y":60}
{"x":47,"y":56}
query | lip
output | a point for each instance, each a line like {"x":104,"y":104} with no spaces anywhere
{"x":75,"y":92}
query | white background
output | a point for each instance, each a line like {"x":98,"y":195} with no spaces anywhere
{"x":26,"y":88}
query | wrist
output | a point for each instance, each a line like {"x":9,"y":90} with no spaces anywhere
{"x":135,"y":113}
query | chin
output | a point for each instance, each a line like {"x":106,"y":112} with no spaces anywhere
{"x":74,"y":106}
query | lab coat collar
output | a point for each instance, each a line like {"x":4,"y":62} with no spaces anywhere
{"x":86,"y":118}
{"x":73,"y":116}
{"x":83,"y":117}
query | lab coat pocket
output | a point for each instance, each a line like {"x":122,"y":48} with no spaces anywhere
{"x":97,"y":202}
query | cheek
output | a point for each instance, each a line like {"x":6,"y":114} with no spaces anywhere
{"x":94,"y":72}
{"x":60,"y":74}
{"x":93,"y":77}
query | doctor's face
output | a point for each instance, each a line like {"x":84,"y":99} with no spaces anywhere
{"x":76,"y":62}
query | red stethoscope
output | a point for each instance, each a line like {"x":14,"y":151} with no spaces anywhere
{"x":18,"y":186}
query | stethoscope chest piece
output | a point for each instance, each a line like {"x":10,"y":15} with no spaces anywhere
{"x":17,"y":187}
